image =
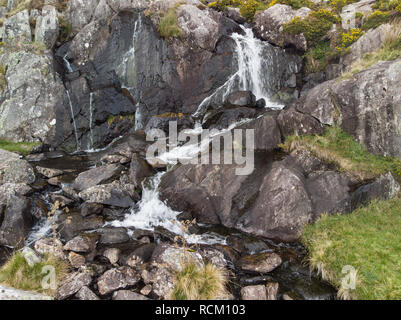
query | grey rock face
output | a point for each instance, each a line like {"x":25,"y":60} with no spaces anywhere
{"x":83,"y":243}
{"x":108,"y":194}
{"x":17,"y":221}
{"x":241,"y":99}
{"x":72,"y":284}
{"x":269,"y":25}
{"x":115,"y":279}
{"x":257,"y":292}
{"x":366,"y":106}
{"x":128,"y":295}
{"x":96,"y":176}
{"x":7,"y":293}
{"x":19,"y":171}
{"x":47,"y":27}
{"x":282,"y":208}
{"x":86,"y":294}
{"x":31,"y":108}
{"x":17,"y":28}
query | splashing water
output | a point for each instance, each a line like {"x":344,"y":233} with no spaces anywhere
{"x":67,"y":64}
{"x":152,"y":212}
{"x":90,"y":147}
{"x":254,"y":68}
{"x":73,"y":120}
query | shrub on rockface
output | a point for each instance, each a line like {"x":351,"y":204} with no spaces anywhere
{"x":376,"y":19}
{"x":314,"y":27}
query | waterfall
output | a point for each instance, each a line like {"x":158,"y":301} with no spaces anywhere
{"x":129,"y":56}
{"x":254,"y":68}
{"x":90,"y":147}
{"x":73,"y":120}
{"x":152,"y":212}
{"x":67,"y":64}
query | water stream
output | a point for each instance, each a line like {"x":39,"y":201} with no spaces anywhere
{"x":73,"y":121}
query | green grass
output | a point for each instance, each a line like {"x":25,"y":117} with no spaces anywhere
{"x":368,"y":240}
{"x":18,"y":274}
{"x":336,"y":146}
{"x":390,"y":50}
{"x":199,"y":283}
{"x":23,"y":148}
{"x":168,"y":26}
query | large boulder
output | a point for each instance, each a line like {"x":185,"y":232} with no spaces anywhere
{"x":17,"y":221}
{"x":269,"y":25}
{"x":283,"y":207}
{"x":19,"y":171}
{"x":112,"y":194}
{"x":115,"y":279}
{"x":96,"y":176}
{"x":366,"y":105}
{"x":30,"y":110}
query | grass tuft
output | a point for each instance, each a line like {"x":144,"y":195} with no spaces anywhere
{"x":368,"y":240}
{"x":18,"y":274}
{"x":336,"y":146}
{"x":199,"y":283}
{"x":168,"y":25}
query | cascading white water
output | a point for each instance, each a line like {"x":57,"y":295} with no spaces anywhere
{"x":90,"y":147}
{"x":67,"y":64}
{"x":73,"y":120}
{"x":129,"y":57}
{"x":152,"y":212}
{"x":253,"y":72}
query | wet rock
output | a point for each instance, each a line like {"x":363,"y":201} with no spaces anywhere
{"x":112,"y":254}
{"x":241,"y":99}
{"x":139,"y":170}
{"x":269,"y":26}
{"x":63,"y":201}
{"x":108,"y":194}
{"x":17,"y":221}
{"x":76,"y":260}
{"x":72,"y":224}
{"x":49,"y":172}
{"x":267,"y":133}
{"x":91,"y":208}
{"x":312,"y":289}
{"x":261,"y":263}
{"x":257,"y":292}
{"x":272,"y":290}
{"x":82,"y":243}
{"x":205,"y":191}
{"x":175,"y":257}
{"x":96,"y":176}
{"x":72,"y":284}
{"x":110,"y":236}
{"x":140,"y":255}
{"x":86,"y":294}
{"x":50,"y":246}
{"x":222,"y":119}
{"x":47,"y":26}
{"x":17,"y":28}
{"x":128,"y":295}
{"x":115,"y":279}
{"x":19,"y":171}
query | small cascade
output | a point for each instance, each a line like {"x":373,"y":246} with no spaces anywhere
{"x":129,"y":56}
{"x":67,"y":64}
{"x":254,"y":70}
{"x":90,"y":147}
{"x":73,"y":120}
{"x":152,"y":212}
